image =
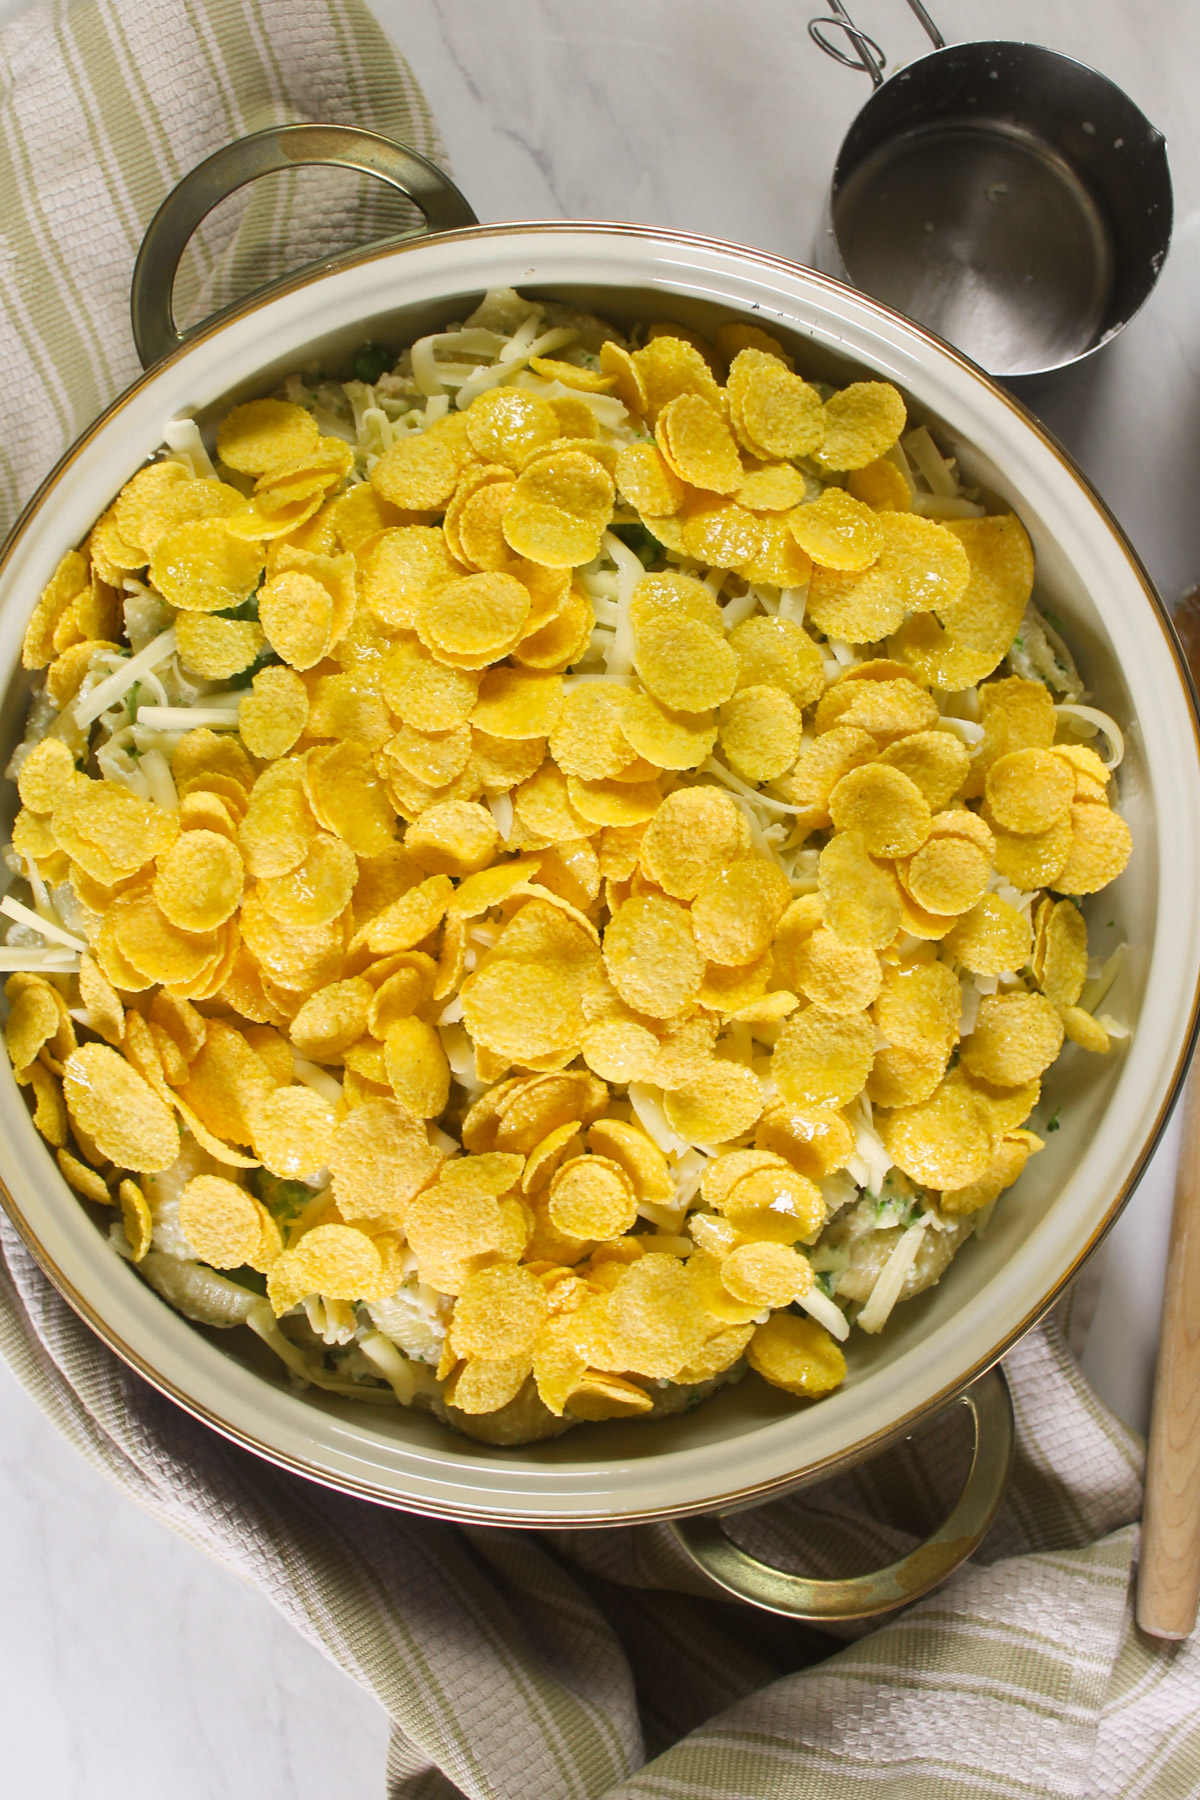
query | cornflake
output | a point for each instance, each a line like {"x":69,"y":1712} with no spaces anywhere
{"x":625,"y":824}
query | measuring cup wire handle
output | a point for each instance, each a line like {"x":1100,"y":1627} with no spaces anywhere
{"x":268,"y":152}
{"x":868,"y":57}
{"x":931,"y":31}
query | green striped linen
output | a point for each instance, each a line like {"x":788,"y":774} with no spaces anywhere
{"x":559,"y":1665}
{"x":103,"y":108}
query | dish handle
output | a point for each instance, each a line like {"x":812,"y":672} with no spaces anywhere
{"x":280,"y":147}
{"x":861,"y":1596}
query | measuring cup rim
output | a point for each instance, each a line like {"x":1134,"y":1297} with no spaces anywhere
{"x":942,"y":51}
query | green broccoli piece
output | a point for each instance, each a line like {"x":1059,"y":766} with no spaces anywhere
{"x":644,"y":545}
{"x":247,"y":1277}
{"x":265,"y":658}
{"x":284,"y":1200}
{"x":370,"y":362}
{"x":247,"y":610}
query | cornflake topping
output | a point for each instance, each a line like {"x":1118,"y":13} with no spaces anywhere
{"x":552,"y":877}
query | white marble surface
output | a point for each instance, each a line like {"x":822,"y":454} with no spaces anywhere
{"x":131,"y":1666}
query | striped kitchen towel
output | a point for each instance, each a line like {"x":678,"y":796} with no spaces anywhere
{"x":569,"y":1665}
{"x":103,"y":108}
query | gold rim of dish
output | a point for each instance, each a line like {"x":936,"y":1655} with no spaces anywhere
{"x":862,"y":1448}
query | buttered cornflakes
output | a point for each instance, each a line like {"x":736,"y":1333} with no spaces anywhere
{"x":541,"y":878}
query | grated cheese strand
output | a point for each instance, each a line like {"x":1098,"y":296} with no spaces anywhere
{"x":736,"y":786}
{"x":45,"y":962}
{"x":619,"y":659}
{"x":884,"y":1295}
{"x":821,"y":1308}
{"x":1106,"y":725}
{"x":53,"y":934}
{"x":647,"y":1104}
{"x":115,"y":686}
{"x":187,"y":718}
{"x":183,"y":437}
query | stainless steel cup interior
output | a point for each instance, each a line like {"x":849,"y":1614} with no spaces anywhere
{"x":1011,"y":199}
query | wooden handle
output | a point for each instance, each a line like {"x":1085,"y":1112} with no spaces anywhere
{"x":1169,"y":1570}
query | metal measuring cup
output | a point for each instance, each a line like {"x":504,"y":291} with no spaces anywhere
{"x":1013,"y":200}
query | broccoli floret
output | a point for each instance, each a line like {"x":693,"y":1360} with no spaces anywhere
{"x":247,"y":610}
{"x":644,"y":545}
{"x":246,"y":1277}
{"x":264,"y":660}
{"x":284,"y":1200}
{"x":370,"y":362}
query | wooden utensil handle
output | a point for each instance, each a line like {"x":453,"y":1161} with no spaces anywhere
{"x":1169,"y":1570}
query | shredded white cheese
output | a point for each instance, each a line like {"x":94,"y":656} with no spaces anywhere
{"x":944,"y":506}
{"x":736,"y":786}
{"x":1103,"y":723}
{"x":183,"y":437}
{"x":820,"y":1307}
{"x":115,"y":686}
{"x":459,"y":1052}
{"x":319,"y":1080}
{"x":646,"y":1102}
{"x":689,"y":1173}
{"x":966,"y":729}
{"x":931,"y":463}
{"x":619,"y":660}
{"x":870,"y":1163}
{"x":187,"y":718}
{"x":53,"y":934}
{"x":161,"y":783}
{"x":793,"y":603}
{"x":890,"y":1282}
{"x":396,"y":1369}
{"x":471,"y":342}
{"x":501,"y":809}
{"x":739,"y":608}
{"x":666,"y":1218}
{"x":46,"y":962}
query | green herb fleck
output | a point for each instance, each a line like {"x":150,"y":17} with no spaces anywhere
{"x":1052,"y":1123}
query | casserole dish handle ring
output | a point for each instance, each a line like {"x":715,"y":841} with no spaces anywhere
{"x":862,"y":1596}
{"x":269,"y":152}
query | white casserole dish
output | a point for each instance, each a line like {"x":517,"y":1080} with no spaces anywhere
{"x":749,"y":1441}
